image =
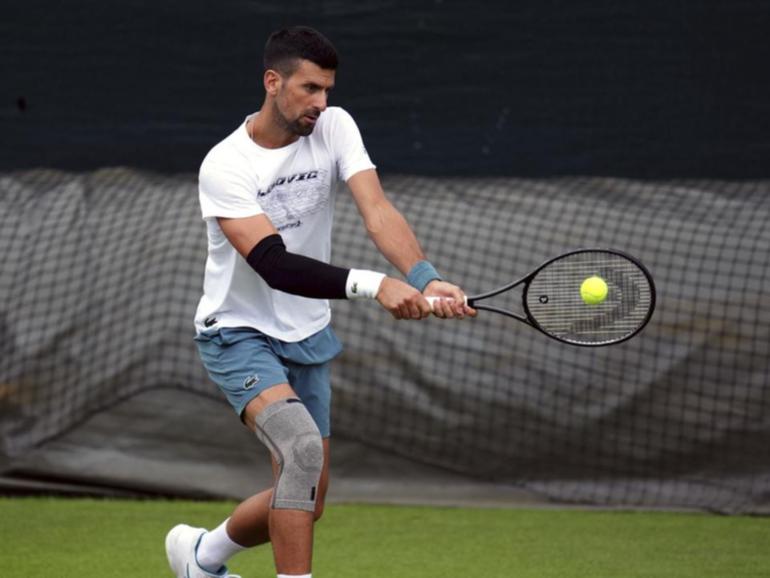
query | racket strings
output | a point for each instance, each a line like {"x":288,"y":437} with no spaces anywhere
{"x":554,"y":302}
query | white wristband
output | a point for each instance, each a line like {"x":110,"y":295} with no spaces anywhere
{"x":363,"y":284}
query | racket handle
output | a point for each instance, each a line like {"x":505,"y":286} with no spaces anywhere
{"x":432,"y":299}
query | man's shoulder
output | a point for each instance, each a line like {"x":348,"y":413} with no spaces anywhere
{"x":334,"y":114}
{"x":226,"y":153}
{"x":334,"y":123}
{"x":336,"y":110}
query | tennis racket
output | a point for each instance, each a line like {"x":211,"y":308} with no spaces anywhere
{"x":551,"y":299}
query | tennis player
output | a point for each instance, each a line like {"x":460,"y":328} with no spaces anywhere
{"x":262,"y":326}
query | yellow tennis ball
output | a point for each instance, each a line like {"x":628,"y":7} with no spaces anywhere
{"x":593,"y":290}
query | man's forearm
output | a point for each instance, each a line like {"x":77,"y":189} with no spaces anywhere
{"x":388,"y":228}
{"x":393,"y":237}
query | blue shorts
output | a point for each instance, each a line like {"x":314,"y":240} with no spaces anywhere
{"x":244,"y":362}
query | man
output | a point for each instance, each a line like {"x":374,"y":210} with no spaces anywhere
{"x":267,"y":195}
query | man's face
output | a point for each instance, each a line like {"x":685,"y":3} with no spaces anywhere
{"x":302,"y":97}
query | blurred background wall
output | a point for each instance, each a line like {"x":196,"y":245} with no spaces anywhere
{"x":630,"y":88}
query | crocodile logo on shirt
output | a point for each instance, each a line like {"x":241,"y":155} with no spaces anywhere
{"x":250,"y":381}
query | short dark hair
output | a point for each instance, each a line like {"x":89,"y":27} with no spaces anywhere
{"x":286,"y":47}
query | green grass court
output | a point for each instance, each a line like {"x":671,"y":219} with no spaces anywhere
{"x":65,"y":538}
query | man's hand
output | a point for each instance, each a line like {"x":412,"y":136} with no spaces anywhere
{"x":402,"y":300}
{"x":452,"y":304}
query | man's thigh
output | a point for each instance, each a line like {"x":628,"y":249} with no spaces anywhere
{"x":267,"y":397}
{"x":251,"y":375}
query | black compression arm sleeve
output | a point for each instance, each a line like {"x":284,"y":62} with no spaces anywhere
{"x":296,"y":274}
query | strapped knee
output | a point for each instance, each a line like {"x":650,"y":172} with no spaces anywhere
{"x":291,"y":435}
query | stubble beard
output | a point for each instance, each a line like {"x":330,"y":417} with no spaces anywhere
{"x":291,"y":126}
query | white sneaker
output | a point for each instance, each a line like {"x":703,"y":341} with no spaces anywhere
{"x":181,"y":544}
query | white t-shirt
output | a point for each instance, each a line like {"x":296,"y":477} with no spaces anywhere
{"x":295,"y":187}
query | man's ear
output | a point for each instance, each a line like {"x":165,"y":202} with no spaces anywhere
{"x":272,"y":81}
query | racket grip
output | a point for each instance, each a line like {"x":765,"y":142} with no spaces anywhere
{"x":432,"y":299}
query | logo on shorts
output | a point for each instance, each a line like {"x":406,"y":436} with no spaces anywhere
{"x":250,"y":381}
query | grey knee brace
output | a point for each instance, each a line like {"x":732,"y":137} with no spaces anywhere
{"x":291,"y":435}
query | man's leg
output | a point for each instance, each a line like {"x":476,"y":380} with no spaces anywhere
{"x":248,"y":524}
{"x":237,"y":360}
{"x":253,"y":520}
{"x":289,"y":432}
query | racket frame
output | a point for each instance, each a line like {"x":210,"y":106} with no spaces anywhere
{"x":530,"y":320}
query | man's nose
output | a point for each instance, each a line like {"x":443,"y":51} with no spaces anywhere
{"x":321,"y":100}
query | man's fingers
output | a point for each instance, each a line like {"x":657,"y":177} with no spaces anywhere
{"x":446,"y":308}
{"x":450,"y":307}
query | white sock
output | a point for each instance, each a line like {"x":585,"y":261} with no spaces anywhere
{"x":215,"y":548}
{"x":295,"y":576}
